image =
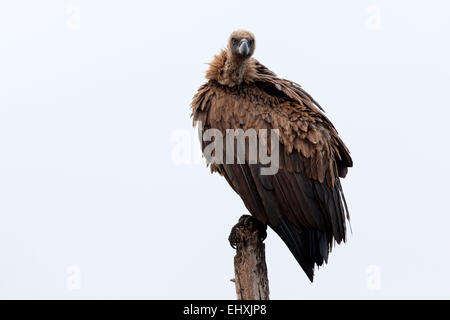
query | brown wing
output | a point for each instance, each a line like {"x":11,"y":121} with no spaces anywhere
{"x":303,"y":202}
{"x":273,"y":85}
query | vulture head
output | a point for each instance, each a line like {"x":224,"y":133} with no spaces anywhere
{"x":241,"y":44}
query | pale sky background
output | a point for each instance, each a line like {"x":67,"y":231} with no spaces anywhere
{"x":94,"y":102}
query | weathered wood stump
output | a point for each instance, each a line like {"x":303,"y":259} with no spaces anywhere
{"x":250,"y":267}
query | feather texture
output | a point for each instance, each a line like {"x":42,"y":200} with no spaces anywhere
{"x":303,"y":202}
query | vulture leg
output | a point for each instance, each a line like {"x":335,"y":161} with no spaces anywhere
{"x":250,"y":223}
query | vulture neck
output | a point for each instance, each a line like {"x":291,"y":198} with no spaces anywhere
{"x":231,"y":71}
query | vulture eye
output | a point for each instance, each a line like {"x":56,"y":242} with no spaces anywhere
{"x":251,"y":41}
{"x":234,"y":41}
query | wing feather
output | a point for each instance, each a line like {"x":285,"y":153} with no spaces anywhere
{"x":303,"y":202}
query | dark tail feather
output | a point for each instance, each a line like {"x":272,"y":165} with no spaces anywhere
{"x":309,"y":247}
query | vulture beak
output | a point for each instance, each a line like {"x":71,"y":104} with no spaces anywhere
{"x":244,"y":50}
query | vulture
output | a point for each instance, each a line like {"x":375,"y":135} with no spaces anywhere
{"x":303,"y":201}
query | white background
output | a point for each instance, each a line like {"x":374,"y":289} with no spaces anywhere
{"x":94,"y":107}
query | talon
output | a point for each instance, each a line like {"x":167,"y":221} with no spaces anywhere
{"x":232,"y":238}
{"x":263,"y":234}
{"x":248,"y":222}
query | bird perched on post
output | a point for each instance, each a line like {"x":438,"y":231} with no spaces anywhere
{"x":302,"y":201}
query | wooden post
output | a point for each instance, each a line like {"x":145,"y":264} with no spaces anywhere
{"x":250,"y":267}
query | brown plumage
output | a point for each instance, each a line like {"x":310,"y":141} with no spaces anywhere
{"x":303,"y":202}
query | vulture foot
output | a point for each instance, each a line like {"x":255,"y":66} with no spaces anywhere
{"x":247,"y":222}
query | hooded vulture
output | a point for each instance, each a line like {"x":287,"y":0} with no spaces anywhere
{"x":303,"y":201}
